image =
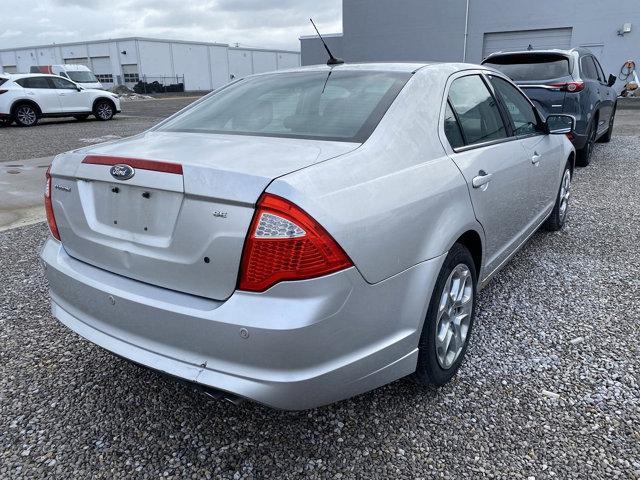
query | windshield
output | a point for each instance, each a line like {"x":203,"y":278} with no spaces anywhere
{"x":334,"y":105}
{"x":523,"y":67}
{"x":82,"y":76}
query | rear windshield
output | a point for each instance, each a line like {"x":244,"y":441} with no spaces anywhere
{"x":82,"y":77}
{"x":524,"y":67}
{"x":335,"y":105}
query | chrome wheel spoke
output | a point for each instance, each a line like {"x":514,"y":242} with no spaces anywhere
{"x":454,"y":316}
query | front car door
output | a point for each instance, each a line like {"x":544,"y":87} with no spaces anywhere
{"x":42,"y":92}
{"x":542,"y":150}
{"x":607,"y":97}
{"x":71,"y":99}
{"x":592,"y":101}
{"x":494,"y":166}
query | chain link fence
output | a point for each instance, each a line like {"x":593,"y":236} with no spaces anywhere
{"x":159,"y":84}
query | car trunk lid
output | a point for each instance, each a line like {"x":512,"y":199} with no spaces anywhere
{"x":180,"y":221}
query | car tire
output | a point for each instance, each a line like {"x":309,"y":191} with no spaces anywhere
{"x":583,"y":156}
{"x":606,"y":138}
{"x":439,"y":360}
{"x":560,"y":210}
{"x":25,"y":115}
{"x":103,"y":110}
{"x":81,"y":118}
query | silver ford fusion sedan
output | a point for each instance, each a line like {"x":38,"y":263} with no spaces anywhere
{"x":301,"y":237}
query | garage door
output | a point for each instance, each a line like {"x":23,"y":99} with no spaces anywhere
{"x":522,"y":39}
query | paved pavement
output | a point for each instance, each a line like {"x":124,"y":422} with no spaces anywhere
{"x":53,"y":136}
{"x":22,"y":177}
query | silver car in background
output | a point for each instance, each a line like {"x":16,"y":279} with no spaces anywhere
{"x":301,"y":237}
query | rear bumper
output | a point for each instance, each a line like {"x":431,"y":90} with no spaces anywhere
{"x":297,"y":346}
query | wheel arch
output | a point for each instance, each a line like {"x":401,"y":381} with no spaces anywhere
{"x":105,"y":99}
{"x":23,"y":101}
{"x":472,"y":240}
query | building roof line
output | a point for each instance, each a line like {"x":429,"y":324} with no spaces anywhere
{"x":145,"y":39}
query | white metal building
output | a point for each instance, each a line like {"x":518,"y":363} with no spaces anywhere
{"x":125,"y":61}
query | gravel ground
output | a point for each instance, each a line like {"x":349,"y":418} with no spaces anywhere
{"x":54,"y":135}
{"x":550,"y":388}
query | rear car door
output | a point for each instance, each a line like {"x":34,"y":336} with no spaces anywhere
{"x":541,"y":149}
{"x":42,"y":92}
{"x":492,"y":163}
{"x":72,"y":100}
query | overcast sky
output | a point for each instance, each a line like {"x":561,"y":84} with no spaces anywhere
{"x":256,"y":23}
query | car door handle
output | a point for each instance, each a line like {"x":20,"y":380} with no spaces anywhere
{"x":482,"y":179}
{"x":61,"y":94}
{"x":535,"y":159}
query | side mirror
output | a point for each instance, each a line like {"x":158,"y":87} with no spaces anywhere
{"x":559,"y":124}
{"x":79,"y":88}
{"x":612,"y":80}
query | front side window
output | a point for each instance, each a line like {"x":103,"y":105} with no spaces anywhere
{"x":82,"y":76}
{"x":63,"y":84}
{"x":588,"y":68}
{"x":477,"y":110}
{"x":334,"y":105}
{"x":601,"y":76}
{"x":520,"y":110}
{"x":34,"y":82}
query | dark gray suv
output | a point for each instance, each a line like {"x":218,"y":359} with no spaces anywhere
{"x":565,"y":81}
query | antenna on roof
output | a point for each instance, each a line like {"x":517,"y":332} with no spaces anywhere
{"x":332,"y":60}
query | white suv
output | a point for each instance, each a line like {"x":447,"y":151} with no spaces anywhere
{"x":26,"y":98}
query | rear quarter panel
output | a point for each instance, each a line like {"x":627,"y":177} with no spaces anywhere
{"x":398,"y":200}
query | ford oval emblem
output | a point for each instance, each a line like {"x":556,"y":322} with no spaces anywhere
{"x":122,"y":172}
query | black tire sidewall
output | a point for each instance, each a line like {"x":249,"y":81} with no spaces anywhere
{"x":428,"y":369}
{"x":555,"y":222}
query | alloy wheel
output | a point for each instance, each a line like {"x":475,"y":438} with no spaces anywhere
{"x":104,"y":111}
{"x":26,"y":115}
{"x":565,"y":193}
{"x":454,"y":316}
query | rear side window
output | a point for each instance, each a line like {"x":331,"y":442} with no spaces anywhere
{"x":2,"y":80}
{"x":520,"y":110}
{"x":588,"y":68}
{"x":63,"y":84}
{"x":524,"y":67}
{"x":452,"y":128}
{"x":34,"y":82}
{"x":477,"y":110}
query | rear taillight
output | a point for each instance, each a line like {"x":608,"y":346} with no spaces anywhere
{"x":3,"y":91}
{"x":48,"y":207}
{"x":285,"y":243}
{"x":569,"y":86}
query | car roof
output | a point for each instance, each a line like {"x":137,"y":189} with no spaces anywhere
{"x":407,"y":67}
{"x":557,"y":51}
{"x":18,"y":76}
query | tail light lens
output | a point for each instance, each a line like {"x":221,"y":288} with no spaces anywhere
{"x":569,"y":86}
{"x":285,"y":243}
{"x":3,"y":91}
{"x":48,"y":207}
